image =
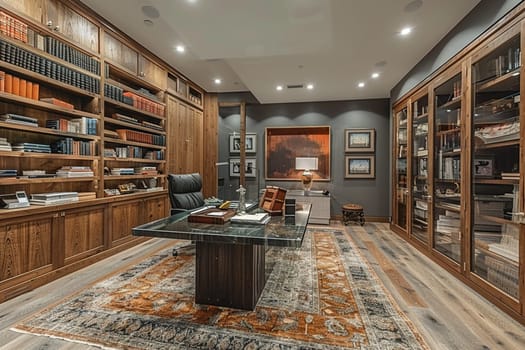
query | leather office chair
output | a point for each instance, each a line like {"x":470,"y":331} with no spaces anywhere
{"x":185,"y":192}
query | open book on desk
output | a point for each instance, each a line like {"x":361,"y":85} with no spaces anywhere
{"x":257,"y":218}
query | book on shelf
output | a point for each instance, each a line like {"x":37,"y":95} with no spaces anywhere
{"x":57,"y":102}
{"x":52,"y":198}
{"x":86,"y":195}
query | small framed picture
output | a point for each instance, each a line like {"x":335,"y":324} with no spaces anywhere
{"x":360,"y":140}
{"x":250,"y":167}
{"x":250,"y":144}
{"x":484,"y":166}
{"x":360,"y":167}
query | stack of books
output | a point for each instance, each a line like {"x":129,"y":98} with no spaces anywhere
{"x":82,"y":196}
{"x":5,"y":145}
{"x":32,"y":147}
{"x":35,"y":174}
{"x":53,"y":198}
{"x":146,"y":170}
{"x":122,"y":171}
{"x":257,"y":218}
{"x":510,"y":176}
{"x":449,"y":224}
{"x":74,"y":171}
{"x":8,"y":172}
{"x":83,"y":125}
{"x":18,"y":119}
{"x":125,"y":118}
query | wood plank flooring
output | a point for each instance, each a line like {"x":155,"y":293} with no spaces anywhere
{"x":448,"y":314}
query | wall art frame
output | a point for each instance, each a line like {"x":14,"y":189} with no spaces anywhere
{"x":250,"y":167}
{"x":250,"y":143}
{"x":360,"y":140}
{"x":284,"y":144}
{"x":360,"y":167}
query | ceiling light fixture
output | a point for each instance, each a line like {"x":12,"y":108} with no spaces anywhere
{"x":405,"y":31}
{"x":180,"y":48}
{"x":375,"y":75}
{"x":279,"y":87}
{"x":361,"y":84}
{"x":217,"y":81}
{"x":310,"y":86}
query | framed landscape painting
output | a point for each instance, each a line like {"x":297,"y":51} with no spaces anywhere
{"x":360,"y":140}
{"x":360,"y":167}
{"x":284,"y":145}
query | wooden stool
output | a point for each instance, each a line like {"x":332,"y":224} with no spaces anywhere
{"x":353,"y":212}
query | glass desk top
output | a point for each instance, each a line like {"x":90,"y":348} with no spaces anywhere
{"x":279,"y":231}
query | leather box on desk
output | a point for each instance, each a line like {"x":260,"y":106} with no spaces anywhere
{"x":272,"y":201}
{"x":207,"y":217}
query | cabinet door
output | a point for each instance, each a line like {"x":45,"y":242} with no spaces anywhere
{"x":152,"y":73}
{"x":31,"y":8}
{"x":447,"y":235}
{"x":155,"y":208}
{"x":124,"y":216}
{"x":72,"y":25}
{"x":26,"y":246}
{"x":121,"y":54}
{"x":83,"y":232}
{"x":400,"y":169}
{"x":420,"y":169}
{"x":186,"y":148}
{"x":496,"y":198}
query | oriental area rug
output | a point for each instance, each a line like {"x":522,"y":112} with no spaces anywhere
{"x":321,"y":296}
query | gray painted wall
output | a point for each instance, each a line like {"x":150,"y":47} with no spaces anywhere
{"x":373,"y":194}
{"x":481,"y":18}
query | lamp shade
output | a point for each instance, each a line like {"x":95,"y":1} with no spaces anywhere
{"x":306,"y":163}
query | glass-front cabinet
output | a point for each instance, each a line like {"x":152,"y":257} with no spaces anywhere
{"x":419,"y":170}
{"x":400,"y":169}
{"x":447,"y":235}
{"x":495,"y":161}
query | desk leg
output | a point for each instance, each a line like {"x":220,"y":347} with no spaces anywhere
{"x":231,"y":275}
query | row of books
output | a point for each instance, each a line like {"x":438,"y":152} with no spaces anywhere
{"x":83,"y":125}
{"x":12,"y":84}
{"x":122,"y":171}
{"x":114,"y":92}
{"x":28,"y":60}
{"x":32,"y":147}
{"x":144,"y":104}
{"x":69,"y":54}
{"x":74,"y":147}
{"x":133,"y":152}
{"x":144,"y":170}
{"x":8,"y":172}
{"x":18,"y":119}
{"x":144,"y":123}
{"x":12,"y":27}
{"x":137,"y":136}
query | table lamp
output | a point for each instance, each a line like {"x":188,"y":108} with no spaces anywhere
{"x":307,"y":164}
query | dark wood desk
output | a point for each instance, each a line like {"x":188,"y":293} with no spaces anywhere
{"x":230,"y":258}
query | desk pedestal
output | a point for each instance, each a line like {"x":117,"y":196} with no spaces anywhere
{"x":231,"y":275}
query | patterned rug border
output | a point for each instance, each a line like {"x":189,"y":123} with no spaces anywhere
{"x":104,"y":344}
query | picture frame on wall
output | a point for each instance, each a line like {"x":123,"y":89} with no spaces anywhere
{"x":285,"y":145}
{"x":250,"y":167}
{"x":360,"y":140}
{"x":250,"y":143}
{"x":483,"y":166}
{"x":360,"y":167}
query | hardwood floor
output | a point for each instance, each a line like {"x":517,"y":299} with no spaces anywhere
{"x":447,"y":313}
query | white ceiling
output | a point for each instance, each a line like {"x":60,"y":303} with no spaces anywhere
{"x":254,"y":45}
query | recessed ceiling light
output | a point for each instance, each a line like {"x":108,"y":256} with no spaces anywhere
{"x":361,"y":84}
{"x":375,"y":75}
{"x":180,"y":48}
{"x":279,"y":87}
{"x":310,"y":86}
{"x":405,"y":31}
{"x":217,"y":81}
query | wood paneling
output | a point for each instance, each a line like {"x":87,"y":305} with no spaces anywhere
{"x":155,"y":208}
{"x":30,"y":8}
{"x":210,"y":145}
{"x":124,"y":216}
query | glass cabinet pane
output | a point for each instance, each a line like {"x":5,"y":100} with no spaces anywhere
{"x":447,"y":170}
{"x":496,"y":166}
{"x":400,"y":216}
{"x":420,"y":195}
